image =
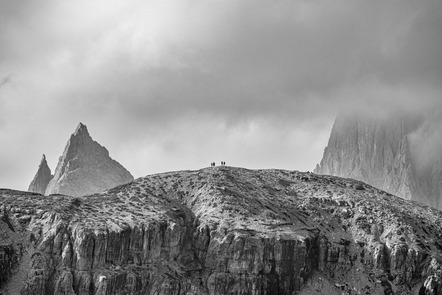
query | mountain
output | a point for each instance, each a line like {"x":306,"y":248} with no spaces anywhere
{"x":389,"y":151}
{"x":42,"y":178}
{"x":85,"y":167}
{"x":221,"y":230}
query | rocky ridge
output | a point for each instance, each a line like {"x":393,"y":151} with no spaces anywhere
{"x":221,"y":230}
{"x":379,"y":150}
{"x":85,"y":167}
{"x":42,"y":178}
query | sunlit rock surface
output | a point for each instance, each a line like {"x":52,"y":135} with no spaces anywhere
{"x":399,"y":153}
{"x":221,"y":230}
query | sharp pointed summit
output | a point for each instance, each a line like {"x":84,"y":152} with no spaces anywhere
{"x":81,"y":130}
{"x":85,"y":167}
{"x":41,"y":178}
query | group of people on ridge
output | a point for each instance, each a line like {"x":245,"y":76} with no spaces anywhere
{"x":222,"y":164}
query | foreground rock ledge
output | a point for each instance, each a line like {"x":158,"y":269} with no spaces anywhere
{"x":221,"y":230}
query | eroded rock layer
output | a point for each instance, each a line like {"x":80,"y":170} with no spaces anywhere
{"x":221,"y":230}
{"x":86,"y":168}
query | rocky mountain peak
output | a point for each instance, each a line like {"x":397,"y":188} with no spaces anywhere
{"x":85,"y":167}
{"x":80,"y":139}
{"x":81,"y":130}
{"x":41,"y":178}
{"x":382,"y":151}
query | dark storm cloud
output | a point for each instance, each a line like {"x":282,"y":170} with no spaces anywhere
{"x":158,"y":70}
{"x":411,"y":55}
{"x":252,"y":58}
{"x":269,"y":61}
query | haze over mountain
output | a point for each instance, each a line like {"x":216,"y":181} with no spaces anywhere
{"x":85,"y":167}
{"x":175,"y":85}
{"x":398,"y":152}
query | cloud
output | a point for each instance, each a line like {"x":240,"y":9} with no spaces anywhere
{"x":236,"y":54}
{"x":137,"y":72}
{"x":426,"y":142}
{"x":5,"y":80}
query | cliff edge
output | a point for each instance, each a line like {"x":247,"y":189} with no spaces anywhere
{"x":221,"y":230}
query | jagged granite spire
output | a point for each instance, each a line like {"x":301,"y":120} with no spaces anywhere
{"x":41,"y":178}
{"x":379,"y":150}
{"x":85,"y":167}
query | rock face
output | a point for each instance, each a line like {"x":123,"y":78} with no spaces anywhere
{"x":386,"y":152}
{"x":86,"y":168}
{"x":42,"y":178}
{"x":221,"y":230}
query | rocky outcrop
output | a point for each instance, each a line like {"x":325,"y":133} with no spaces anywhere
{"x":384,"y":151}
{"x":222,"y":230}
{"x":86,"y":168}
{"x":42,"y":178}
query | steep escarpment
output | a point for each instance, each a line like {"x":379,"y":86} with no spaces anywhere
{"x":386,"y":152}
{"x":41,"y":178}
{"x":221,"y":230}
{"x":85,"y":167}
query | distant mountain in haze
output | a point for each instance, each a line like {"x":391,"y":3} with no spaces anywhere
{"x":85,"y":167}
{"x":399,"y":153}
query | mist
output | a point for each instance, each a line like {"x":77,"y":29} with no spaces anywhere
{"x":170,"y":85}
{"x":426,"y":142}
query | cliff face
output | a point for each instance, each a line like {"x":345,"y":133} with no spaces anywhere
{"x":380,"y":150}
{"x":42,"y":178}
{"x":221,"y":230}
{"x":86,"y":168}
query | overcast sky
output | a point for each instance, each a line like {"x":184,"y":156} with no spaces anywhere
{"x":170,"y":85}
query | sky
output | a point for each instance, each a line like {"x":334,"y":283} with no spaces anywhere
{"x":171,"y":85}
